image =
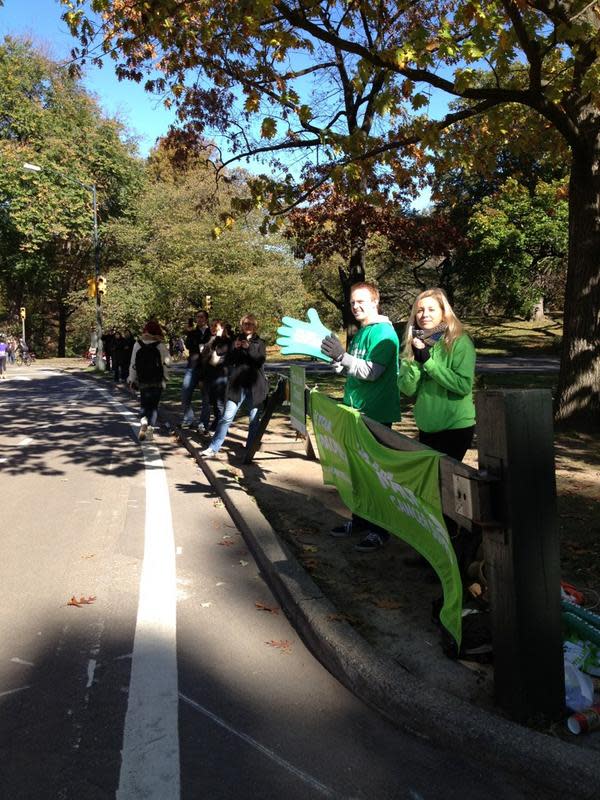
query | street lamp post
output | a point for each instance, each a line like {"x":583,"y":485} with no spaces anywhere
{"x":96,"y":245}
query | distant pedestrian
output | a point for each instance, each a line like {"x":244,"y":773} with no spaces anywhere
{"x":246,"y":383}
{"x":438,"y":368}
{"x":3,"y":356}
{"x":148,"y":371}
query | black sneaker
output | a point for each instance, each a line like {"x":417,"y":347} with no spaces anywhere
{"x":372,"y":541}
{"x":342,"y":531}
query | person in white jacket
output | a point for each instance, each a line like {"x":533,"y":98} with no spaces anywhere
{"x":148,"y":370}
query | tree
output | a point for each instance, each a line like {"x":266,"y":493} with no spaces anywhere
{"x":516,"y":245}
{"x":165,"y":258}
{"x":46,"y":224}
{"x":541,"y":54}
{"x":403,"y":240}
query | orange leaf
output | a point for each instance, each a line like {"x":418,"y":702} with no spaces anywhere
{"x":282,"y":644}
{"x":264,"y":607}
{"x":82,"y":601}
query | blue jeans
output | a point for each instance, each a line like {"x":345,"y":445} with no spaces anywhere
{"x":190,"y":381}
{"x":231,"y":409}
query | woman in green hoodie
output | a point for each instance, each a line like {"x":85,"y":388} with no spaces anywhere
{"x":438,"y":366}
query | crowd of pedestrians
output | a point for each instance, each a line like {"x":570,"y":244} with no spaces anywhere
{"x":436,"y":366}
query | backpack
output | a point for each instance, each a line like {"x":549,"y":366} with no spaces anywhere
{"x":148,"y":363}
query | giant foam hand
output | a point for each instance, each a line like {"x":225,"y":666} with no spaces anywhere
{"x":303,"y":338}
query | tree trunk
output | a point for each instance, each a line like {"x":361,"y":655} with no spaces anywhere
{"x":63,"y":316}
{"x":355,"y":274}
{"x":577,"y":403}
{"x":537,"y":312}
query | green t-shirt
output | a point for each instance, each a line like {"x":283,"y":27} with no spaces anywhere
{"x":378,"y":399}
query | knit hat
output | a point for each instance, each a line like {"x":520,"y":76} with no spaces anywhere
{"x":153,"y":328}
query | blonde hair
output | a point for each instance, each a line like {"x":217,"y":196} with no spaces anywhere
{"x":249,"y":318}
{"x":455,"y":326}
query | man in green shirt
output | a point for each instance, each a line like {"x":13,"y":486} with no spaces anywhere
{"x":371,"y":366}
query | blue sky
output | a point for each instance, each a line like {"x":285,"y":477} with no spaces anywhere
{"x":41,"y":20}
{"x":143,"y":114}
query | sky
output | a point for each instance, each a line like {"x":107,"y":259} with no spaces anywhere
{"x":40,"y":20}
{"x":143,"y":114}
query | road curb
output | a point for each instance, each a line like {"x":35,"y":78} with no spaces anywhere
{"x":553,"y":765}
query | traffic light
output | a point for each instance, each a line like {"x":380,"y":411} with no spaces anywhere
{"x":207,"y":302}
{"x":101,"y":285}
{"x":91,"y":287}
{"x":22,"y":312}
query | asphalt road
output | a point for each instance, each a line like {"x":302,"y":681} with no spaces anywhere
{"x":171,"y":682}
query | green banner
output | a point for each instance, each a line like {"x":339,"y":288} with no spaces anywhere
{"x":297,"y":399}
{"x":395,"y":489}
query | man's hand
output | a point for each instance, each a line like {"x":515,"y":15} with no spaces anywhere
{"x":303,"y":338}
{"x":332,"y":347}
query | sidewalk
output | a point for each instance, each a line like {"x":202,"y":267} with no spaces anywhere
{"x":368,"y":617}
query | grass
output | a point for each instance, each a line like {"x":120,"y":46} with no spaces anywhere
{"x":501,"y":337}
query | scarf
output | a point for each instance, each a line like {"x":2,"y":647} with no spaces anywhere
{"x":431,"y":337}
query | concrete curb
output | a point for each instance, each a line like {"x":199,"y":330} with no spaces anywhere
{"x":557,"y":767}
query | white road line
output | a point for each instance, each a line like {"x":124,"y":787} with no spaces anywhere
{"x":150,"y":755}
{"x":304,"y":776}
{"x":12,"y":691}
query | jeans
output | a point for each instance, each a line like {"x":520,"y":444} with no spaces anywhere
{"x":190,"y":381}
{"x":216,"y":392}
{"x":231,"y":409}
{"x":149,"y":400}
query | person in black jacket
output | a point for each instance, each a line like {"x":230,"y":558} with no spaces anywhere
{"x":196,"y":339}
{"x":246,"y":383}
{"x":215,"y":372}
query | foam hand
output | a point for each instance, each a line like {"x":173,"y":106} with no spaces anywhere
{"x":303,"y":338}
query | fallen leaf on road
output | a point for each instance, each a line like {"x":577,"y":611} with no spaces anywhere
{"x":310,"y":564}
{"x":282,"y":644}
{"x":309,"y":548}
{"x":226,"y":543}
{"x":89,"y":555}
{"x":82,"y":601}
{"x":206,"y":605}
{"x":218,"y":504}
{"x":387,"y":602}
{"x":243,"y":563}
{"x":264,"y":607}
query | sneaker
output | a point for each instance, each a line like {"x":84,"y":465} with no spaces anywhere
{"x":342,"y":531}
{"x":372,"y":541}
{"x":208,"y":453}
{"x":201,"y":429}
{"x":143,"y":430}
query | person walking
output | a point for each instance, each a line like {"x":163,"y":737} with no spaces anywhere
{"x":215,"y":372}
{"x":148,"y":371}
{"x":438,"y":369}
{"x":197,"y":337}
{"x":371,"y":367}
{"x":246,"y":383}
{"x":3,"y":356}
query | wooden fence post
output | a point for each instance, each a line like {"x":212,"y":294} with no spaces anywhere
{"x":516,"y":445}
{"x":274,"y":400}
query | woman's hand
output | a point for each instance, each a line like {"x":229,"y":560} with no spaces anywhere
{"x":420,"y":350}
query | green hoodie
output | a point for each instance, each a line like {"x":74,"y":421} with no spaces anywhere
{"x":443,"y":386}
